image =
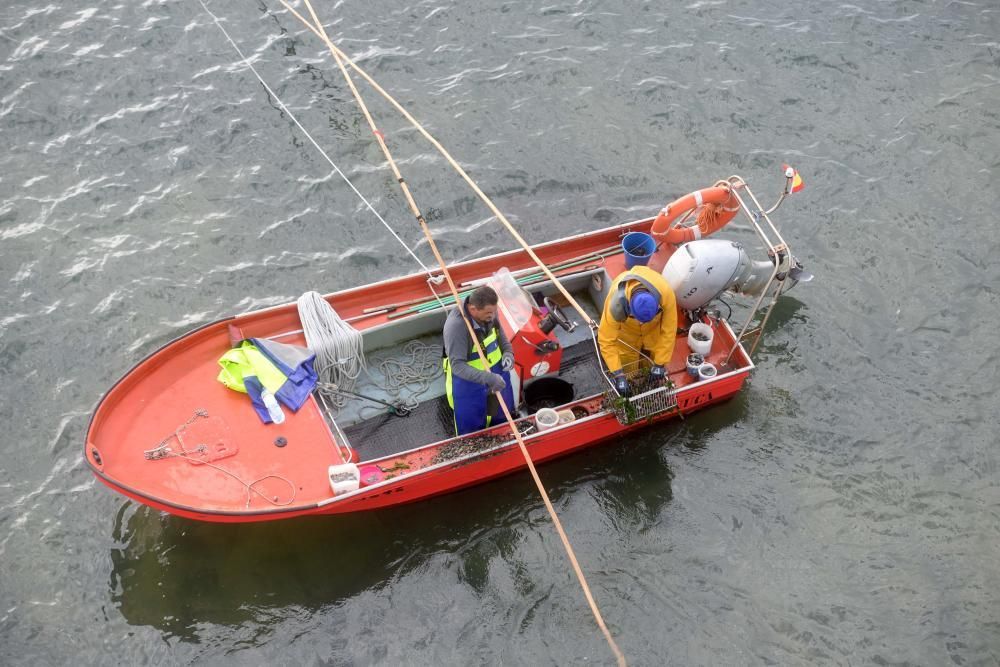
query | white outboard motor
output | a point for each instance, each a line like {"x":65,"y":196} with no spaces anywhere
{"x":700,"y":271}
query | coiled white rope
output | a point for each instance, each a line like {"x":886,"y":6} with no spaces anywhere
{"x":339,"y":348}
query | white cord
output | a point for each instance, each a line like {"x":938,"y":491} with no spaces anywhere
{"x":313,"y":141}
{"x":339,"y":349}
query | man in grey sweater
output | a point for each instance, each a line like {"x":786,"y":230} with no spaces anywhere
{"x":469,"y":385}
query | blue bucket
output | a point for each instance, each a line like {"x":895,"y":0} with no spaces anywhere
{"x":638,"y":247}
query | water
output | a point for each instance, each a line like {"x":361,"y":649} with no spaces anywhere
{"x":842,"y":510}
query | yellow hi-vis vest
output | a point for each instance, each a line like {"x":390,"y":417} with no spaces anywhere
{"x":491,"y":346}
{"x":247,"y":360}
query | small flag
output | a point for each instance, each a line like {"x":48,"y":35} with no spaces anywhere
{"x":797,"y":183}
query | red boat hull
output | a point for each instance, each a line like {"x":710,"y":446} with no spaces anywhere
{"x":155,"y":401}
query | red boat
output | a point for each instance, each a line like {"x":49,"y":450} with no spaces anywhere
{"x":171,"y":436}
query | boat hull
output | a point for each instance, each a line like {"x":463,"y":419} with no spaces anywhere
{"x":450,"y":477}
{"x":258,"y":479}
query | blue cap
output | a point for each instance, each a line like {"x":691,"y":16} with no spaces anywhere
{"x":644,"y":306}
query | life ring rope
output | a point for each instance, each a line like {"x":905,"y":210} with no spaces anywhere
{"x":717,"y":204}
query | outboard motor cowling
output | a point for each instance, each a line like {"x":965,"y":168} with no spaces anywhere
{"x":700,"y":271}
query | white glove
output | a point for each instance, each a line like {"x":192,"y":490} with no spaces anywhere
{"x":507,"y":362}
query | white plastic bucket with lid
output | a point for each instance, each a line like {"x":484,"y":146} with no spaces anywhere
{"x":344,"y":478}
{"x":546,"y":418}
{"x":700,"y":330}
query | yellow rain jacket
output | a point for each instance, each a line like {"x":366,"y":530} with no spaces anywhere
{"x":656,"y":337}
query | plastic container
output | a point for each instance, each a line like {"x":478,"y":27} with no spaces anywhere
{"x":344,"y":478}
{"x":700,"y":330}
{"x":514,"y":301}
{"x":370,"y":474}
{"x":273,"y":409}
{"x":707,"y":371}
{"x":546,"y":418}
{"x":638,"y":247}
{"x":694,"y":360}
{"x":566,"y":416}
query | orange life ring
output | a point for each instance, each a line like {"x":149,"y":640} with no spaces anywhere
{"x":720,"y":206}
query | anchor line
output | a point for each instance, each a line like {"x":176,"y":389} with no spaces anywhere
{"x":380,"y":138}
{"x":337,"y":169}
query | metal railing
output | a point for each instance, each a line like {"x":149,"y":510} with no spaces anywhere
{"x":777,"y":250}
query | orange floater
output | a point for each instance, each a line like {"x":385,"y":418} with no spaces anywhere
{"x":720,"y":206}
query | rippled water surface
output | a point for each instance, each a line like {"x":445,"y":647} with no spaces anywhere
{"x":844,"y":509}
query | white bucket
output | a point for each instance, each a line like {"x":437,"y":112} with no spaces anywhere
{"x":566,"y":416}
{"x":707,"y":372}
{"x":344,"y":478}
{"x":546,"y":418}
{"x":700,"y":330}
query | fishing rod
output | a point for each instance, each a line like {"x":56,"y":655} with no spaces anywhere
{"x":523,"y":273}
{"x":526,"y":281}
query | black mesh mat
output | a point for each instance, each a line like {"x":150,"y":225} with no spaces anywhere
{"x":431,"y":421}
{"x":387,"y":434}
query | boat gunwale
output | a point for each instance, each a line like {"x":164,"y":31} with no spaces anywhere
{"x":352,"y":290}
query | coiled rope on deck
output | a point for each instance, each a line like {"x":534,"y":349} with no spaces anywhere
{"x":409,"y":375}
{"x":340,"y":358}
{"x":339,"y":348}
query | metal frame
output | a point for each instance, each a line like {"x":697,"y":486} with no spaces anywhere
{"x":777,"y":249}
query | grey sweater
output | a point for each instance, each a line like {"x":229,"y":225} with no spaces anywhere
{"x":458,"y":346}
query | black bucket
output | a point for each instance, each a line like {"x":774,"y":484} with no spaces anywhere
{"x":550,"y":392}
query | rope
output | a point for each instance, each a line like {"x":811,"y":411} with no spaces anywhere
{"x":163,"y":451}
{"x":318,"y":147}
{"x":414,"y":371}
{"x":249,"y":486}
{"x":339,"y":348}
{"x":341,"y":58}
{"x":340,"y":358}
{"x":319,"y":30}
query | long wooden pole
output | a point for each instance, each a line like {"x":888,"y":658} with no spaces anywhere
{"x":342,"y":58}
{"x":479,"y":350}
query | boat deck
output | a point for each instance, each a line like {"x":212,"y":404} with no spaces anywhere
{"x":432,"y":420}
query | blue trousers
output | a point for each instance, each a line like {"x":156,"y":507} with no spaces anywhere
{"x":471,"y":400}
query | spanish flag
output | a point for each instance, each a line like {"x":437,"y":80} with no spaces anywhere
{"x":797,"y":183}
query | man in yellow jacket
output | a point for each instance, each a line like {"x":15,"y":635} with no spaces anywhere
{"x":640,"y":313}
